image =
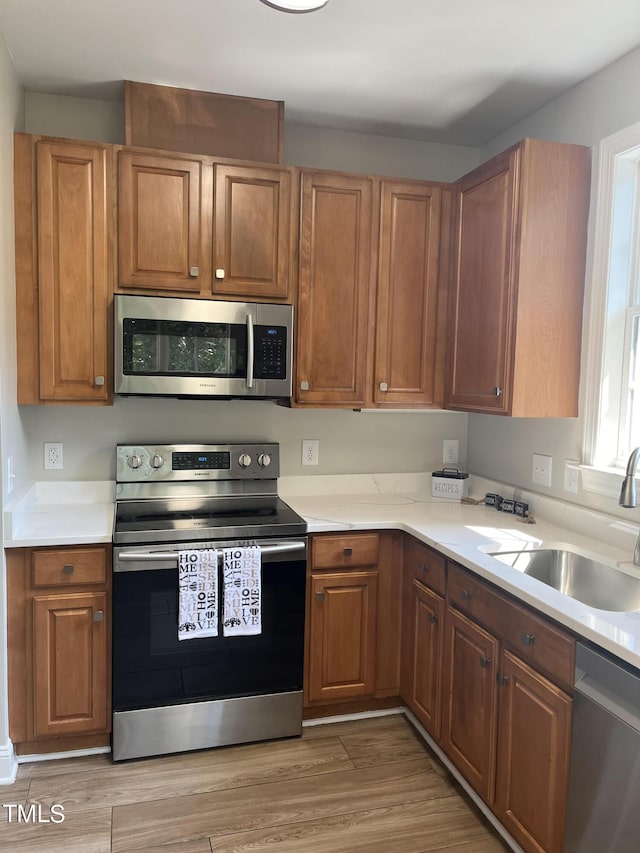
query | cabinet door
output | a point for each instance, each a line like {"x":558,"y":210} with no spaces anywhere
{"x":426,"y":655}
{"x":252,"y":221}
{"x":483,"y":293}
{"x":533,"y":757}
{"x":342,"y":641}
{"x":159,"y":224}
{"x":73,"y":277}
{"x":70,"y":663}
{"x":407,"y":300}
{"x":470,"y":701}
{"x":334,"y":289}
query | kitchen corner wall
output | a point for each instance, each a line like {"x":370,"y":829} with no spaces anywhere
{"x":349,"y":442}
{"x":501,"y":448}
{"x":12,"y":441}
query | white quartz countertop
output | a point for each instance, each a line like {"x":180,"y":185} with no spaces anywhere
{"x":82,"y":513}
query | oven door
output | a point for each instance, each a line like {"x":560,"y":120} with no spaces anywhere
{"x":152,"y":668}
{"x":197,"y":347}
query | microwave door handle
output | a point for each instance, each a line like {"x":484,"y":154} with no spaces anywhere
{"x":250,"y":349}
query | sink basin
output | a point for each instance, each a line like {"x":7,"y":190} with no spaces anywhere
{"x":586,"y":580}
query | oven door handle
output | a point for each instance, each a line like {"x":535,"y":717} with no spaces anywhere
{"x":250,"y":351}
{"x":154,"y":556}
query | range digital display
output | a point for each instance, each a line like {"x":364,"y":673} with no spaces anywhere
{"x":218,"y":461}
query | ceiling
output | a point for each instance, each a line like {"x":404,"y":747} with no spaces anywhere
{"x":454,"y":71}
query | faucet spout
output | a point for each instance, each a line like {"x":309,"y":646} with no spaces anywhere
{"x":628,"y":491}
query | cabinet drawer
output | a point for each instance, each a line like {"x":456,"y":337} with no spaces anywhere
{"x":70,"y":567}
{"x":426,"y":565}
{"x":474,"y":597}
{"x":343,"y":551}
{"x":537,"y":641}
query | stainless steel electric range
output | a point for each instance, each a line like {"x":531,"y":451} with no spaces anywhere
{"x":172,"y":695}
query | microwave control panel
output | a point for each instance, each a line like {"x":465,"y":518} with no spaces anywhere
{"x":270,"y":359}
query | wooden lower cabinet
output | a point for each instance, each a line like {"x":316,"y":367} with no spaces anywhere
{"x":58,"y":644}
{"x":353,"y":642}
{"x":423,"y":662}
{"x":471,"y":701}
{"x":343,"y":635}
{"x":533,"y":756}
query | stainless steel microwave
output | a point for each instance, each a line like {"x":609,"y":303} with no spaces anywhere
{"x":202,"y":348}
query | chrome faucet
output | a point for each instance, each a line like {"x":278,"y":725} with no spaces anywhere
{"x":628,"y":495}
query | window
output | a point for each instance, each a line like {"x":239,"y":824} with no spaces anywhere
{"x":612,"y":340}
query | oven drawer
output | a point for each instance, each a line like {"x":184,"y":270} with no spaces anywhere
{"x":330,"y":552}
{"x":68,"y":566}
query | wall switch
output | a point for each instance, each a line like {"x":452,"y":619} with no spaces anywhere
{"x":310,"y":451}
{"x":53,"y":456}
{"x":450,"y":451}
{"x":541,"y":470}
{"x":571,"y":476}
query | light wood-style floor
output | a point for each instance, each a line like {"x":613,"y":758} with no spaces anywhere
{"x":367,"y":785}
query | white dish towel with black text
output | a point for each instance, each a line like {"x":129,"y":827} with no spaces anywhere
{"x":242,"y":578}
{"x":198,"y":594}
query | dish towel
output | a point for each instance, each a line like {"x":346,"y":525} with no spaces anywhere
{"x":242,"y":576}
{"x":198,"y":594}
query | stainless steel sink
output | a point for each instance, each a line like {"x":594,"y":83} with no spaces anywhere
{"x":579,"y":577}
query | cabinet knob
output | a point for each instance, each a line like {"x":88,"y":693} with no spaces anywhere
{"x":383,"y":386}
{"x":424,"y":567}
{"x":502,"y":679}
{"x":98,"y":616}
{"x":194,"y":272}
{"x":68,"y":569}
{"x":466,"y":595}
{"x":304,"y":386}
{"x":527,"y":639}
{"x":347,"y":552}
{"x":320,"y":597}
{"x":219,"y":273}
{"x":485,"y":663}
{"x":99,"y":380}
{"x":497,"y":391}
{"x":433,"y":618}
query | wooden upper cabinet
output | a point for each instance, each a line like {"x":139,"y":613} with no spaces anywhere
{"x":160,"y":241}
{"x":406,"y":361}
{"x":251,"y":231}
{"x":64,"y":354}
{"x":516,"y":302}
{"x":334,"y":289}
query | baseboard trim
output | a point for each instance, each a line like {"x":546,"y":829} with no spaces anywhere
{"x":8,"y":764}
{"x":71,"y":753}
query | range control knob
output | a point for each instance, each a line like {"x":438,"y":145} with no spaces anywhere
{"x":134,"y":461}
{"x":264,"y":460}
{"x":157,"y":461}
{"x":244,"y":460}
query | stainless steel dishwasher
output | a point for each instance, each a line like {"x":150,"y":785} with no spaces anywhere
{"x":603,"y":812}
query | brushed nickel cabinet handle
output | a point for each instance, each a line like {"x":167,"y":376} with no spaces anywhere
{"x":497,"y":391}
{"x":99,"y":380}
{"x":98,"y":616}
{"x":466,"y":595}
{"x":320,"y":597}
{"x":219,"y":273}
{"x":502,"y":679}
{"x":347,"y":552}
{"x":68,"y":569}
{"x":383,"y":386}
{"x":433,"y":618}
{"x":485,"y":663}
{"x":194,"y":272}
{"x":424,"y":567}
{"x":527,"y":639}
{"x":304,"y":386}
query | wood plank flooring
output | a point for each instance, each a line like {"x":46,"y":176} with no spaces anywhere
{"x":362,"y":785}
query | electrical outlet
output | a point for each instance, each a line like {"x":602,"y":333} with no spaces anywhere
{"x":571,"y":476}
{"x":450,"y":451}
{"x":53,"y":456}
{"x":310,"y":451}
{"x":541,"y":470}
